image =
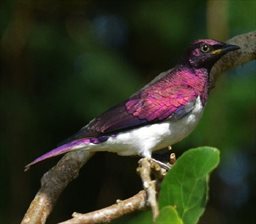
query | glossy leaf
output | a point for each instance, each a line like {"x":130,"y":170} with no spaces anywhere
{"x":170,"y":215}
{"x":137,"y":218}
{"x":186,"y":185}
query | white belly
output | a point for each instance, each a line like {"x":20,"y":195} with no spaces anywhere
{"x":144,"y":140}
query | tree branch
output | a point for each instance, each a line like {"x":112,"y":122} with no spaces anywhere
{"x":67,"y":169}
{"x":141,"y":200}
{"x":247,"y":43}
{"x":149,"y":185}
{"x":53,"y":183}
{"x":121,"y":208}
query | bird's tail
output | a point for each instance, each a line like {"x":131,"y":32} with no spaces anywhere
{"x":76,"y":144}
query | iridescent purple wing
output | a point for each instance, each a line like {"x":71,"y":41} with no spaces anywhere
{"x":162,"y":101}
{"x":170,"y":97}
{"x":116,"y":119}
{"x":166,"y":99}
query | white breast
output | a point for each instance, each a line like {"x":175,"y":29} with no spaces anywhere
{"x":144,"y":140}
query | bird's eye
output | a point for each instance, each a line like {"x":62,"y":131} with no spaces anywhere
{"x":205,"y":48}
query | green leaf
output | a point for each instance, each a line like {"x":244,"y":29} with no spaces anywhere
{"x":167,"y":214}
{"x":170,"y":215}
{"x":185,"y":187}
{"x":143,"y":217}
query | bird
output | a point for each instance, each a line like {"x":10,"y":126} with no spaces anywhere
{"x":160,"y":114}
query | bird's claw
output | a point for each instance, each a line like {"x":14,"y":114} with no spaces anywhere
{"x":163,"y":165}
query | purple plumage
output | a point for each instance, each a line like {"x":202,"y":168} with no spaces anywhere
{"x":169,"y":99}
{"x":162,"y":99}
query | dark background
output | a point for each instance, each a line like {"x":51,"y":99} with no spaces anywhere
{"x":64,"y":62}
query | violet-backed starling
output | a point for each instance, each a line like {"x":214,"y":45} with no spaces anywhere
{"x":160,"y":114}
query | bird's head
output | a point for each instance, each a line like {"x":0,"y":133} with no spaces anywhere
{"x":204,"y":53}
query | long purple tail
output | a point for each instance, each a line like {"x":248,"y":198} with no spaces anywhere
{"x":76,"y":144}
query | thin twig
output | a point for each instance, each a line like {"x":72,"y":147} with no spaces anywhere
{"x":135,"y":203}
{"x":149,"y":185}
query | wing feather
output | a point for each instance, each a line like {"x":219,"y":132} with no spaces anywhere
{"x":166,"y":98}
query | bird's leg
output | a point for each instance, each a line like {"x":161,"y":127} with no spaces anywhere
{"x":165,"y":166}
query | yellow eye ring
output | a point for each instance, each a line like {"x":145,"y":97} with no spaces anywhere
{"x":205,"y":48}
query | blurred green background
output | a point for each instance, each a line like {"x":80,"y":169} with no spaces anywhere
{"x":64,"y":62}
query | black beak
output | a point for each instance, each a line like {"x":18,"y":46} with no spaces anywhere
{"x":225,"y":49}
{"x":230,"y":47}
